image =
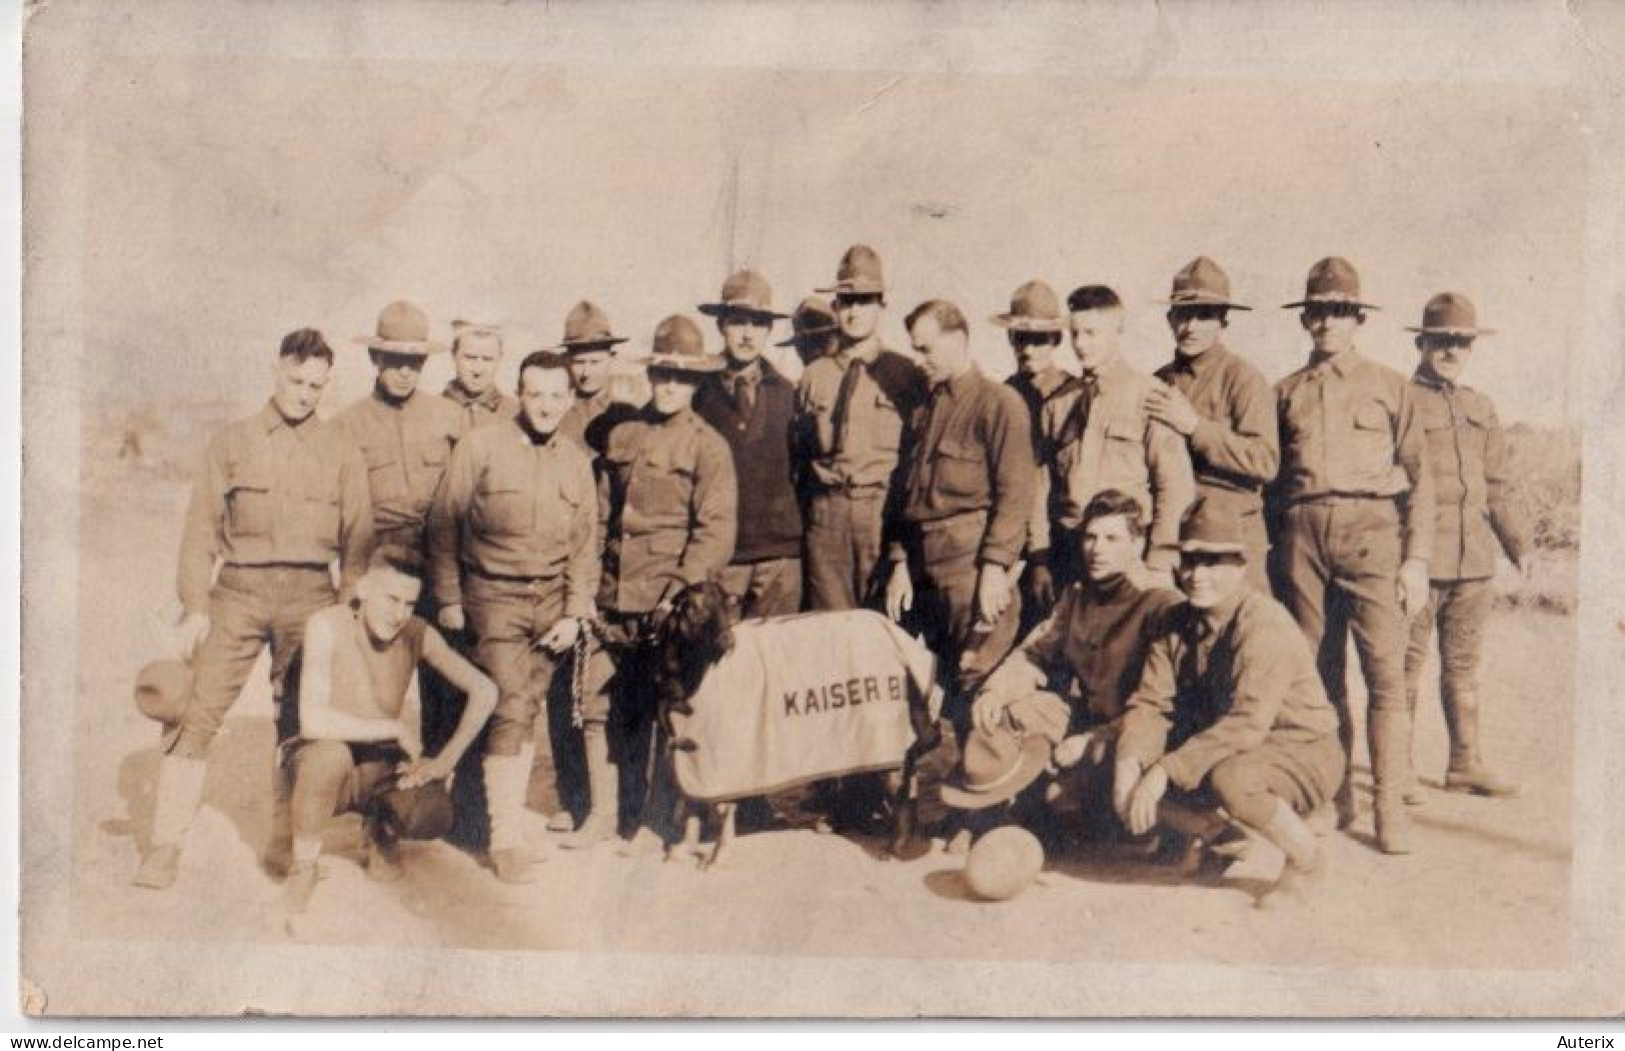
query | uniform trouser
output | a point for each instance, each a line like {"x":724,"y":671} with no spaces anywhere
{"x":1461,"y":608}
{"x":770,"y":587}
{"x":1302,"y":774}
{"x":842,"y":544}
{"x":1339,"y":566}
{"x":249,"y":607}
{"x":620,"y":696}
{"x":945,"y":568}
{"x":507,"y":617}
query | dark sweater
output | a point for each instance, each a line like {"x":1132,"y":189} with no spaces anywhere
{"x":769,"y":513}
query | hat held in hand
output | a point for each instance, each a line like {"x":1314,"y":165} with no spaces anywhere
{"x":162,"y":690}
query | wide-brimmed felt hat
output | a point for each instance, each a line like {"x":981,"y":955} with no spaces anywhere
{"x":1210,"y":528}
{"x":1202,"y":283}
{"x":746,"y":292}
{"x":162,"y":690}
{"x":403,"y":328}
{"x":860,"y":274}
{"x":1450,"y":314}
{"x":678,"y":346}
{"x":587,"y":327}
{"x":1332,"y":280}
{"x":995,"y":767}
{"x":814,"y":317}
{"x":1034,"y":307}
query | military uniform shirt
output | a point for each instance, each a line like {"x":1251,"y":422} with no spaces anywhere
{"x":275,"y":493}
{"x":1348,"y":428}
{"x":1090,"y":650}
{"x":668,"y":501}
{"x":1235,"y":449}
{"x":1216,"y":685}
{"x":1467,"y":461}
{"x":491,"y":407}
{"x":1118,"y":447}
{"x":856,"y":445}
{"x":973,"y":454}
{"x":1035,"y":391}
{"x":406,"y":446}
{"x":513,"y":507}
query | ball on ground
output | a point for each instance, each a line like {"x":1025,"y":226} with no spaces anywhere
{"x":1002,"y":863}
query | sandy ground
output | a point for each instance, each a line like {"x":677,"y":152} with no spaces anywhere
{"x":1487,"y":886}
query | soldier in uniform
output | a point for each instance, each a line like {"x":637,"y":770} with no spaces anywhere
{"x":1356,"y":528}
{"x":476,"y":352}
{"x":406,"y":436}
{"x":1097,"y":434}
{"x":814,"y":330}
{"x":751,"y":405}
{"x":1034,"y":326}
{"x":962,"y":508}
{"x":1221,"y":404}
{"x":1229,"y":710}
{"x":1467,"y":458}
{"x":668,"y":504}
{"x":1070,"y":680}
{"x":282,"y":496}
{"x":589,"y":342}
{"x":850,"y":412}
{"x":513,"y":539}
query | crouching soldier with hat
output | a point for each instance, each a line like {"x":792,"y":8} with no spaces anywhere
{"x":1069,"y":680}
{"x":281,"y":497}
{"x":667,"y":502}
{"x":354,"y":740}
{"x":1467,"y":458}
{"x":513,"y":542}
{"x":1229,"y":711}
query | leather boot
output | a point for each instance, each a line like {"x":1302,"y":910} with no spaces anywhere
{"x":603,"y":779}
{"x":1389,"y":738}
{"x":1467,"y":771}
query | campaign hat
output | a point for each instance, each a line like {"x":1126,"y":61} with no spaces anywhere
{"x":995,"y":767}
{"x":1034,"y":307}
{"x":1450,"y":314}
{"x":1332,"y":280}
{"x":162,"y":690}
{"x":814,"y":317}
{"x":679,"y":347}
{"x":860,"y":274}
{"x":587,"y":327}
{"x":1202,"y":282}
{"x":746,"y":292}
{"x":403,"y":328}
{"x":1209,"y":527}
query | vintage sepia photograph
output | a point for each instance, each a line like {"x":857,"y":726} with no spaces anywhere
{"x":785,"y":509}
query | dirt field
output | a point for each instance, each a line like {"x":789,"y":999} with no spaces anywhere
{"x":1487,"y":887}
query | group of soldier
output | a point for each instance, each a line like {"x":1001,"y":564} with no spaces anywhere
{"x":1090,"y":552}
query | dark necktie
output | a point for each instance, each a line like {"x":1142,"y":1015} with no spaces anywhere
{"x":744,"y":394}
{"x":1077,"y":421}
{"x":843,"y":404}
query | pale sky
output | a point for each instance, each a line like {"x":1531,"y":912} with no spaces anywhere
{"x":237,"y":197}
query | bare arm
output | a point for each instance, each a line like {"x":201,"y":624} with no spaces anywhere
{"x":481,"y":692}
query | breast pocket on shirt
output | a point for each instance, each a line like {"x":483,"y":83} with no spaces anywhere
{"x":431,"y":457}
{"x":503,"y":506}
{"x":1123,"y":453}
{"x":959,"y":470}
{"x":318,"y":504}
{"x":885,"y":425}
{"x":1373,"y":437}
{"x":249,"y":507}
{"x":661,"y":488}
{"x":385,"y":479}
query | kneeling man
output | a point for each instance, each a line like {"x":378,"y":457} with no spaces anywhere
{"x":1230,"y":711}
{"x":359,"y":732}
